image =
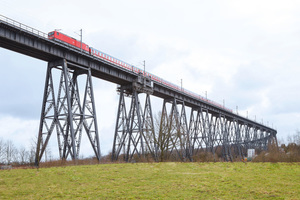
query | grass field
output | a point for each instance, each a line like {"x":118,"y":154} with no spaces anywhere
{"x":155,"y":181}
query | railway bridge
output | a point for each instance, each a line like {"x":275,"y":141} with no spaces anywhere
{"x":210,"y":128}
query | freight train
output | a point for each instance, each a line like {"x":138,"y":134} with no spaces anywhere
{"x":63,"y":38}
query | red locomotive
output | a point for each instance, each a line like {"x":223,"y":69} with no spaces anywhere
{"x":55,"y":35}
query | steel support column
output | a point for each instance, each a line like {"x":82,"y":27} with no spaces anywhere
{"x":218,"y":138}
{"x":134,"y":132}
{"x":174,"y":132}
{"x":226,"y":152}
{"x":66,"y":115}
{"x":148,"y":129}
{"x":197,"y":140}
{"x":121,"y":130}
{"x":135,"y":143}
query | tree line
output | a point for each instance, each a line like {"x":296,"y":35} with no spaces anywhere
{"x":10,"y":154}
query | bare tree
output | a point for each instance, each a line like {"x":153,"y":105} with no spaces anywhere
{"x":164,"y":136}
{"x":23,"y":155}
{"x":1,"y":150}
{"x":294,"y":138}
{"x":297,"y":137}
{"x":48,"y":154}
{"x":32,"y":151}
{"x":10,"y":152}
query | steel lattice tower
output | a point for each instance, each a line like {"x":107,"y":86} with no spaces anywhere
{"x":65,"y":114}
{"x":134,"y":132}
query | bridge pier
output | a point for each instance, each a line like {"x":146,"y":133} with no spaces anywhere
{"x":173,"y":136}
{"x":134,"y":132}
{"x":208,"y":132}
{"x":65,"y":114}
{"x":226,"y":152}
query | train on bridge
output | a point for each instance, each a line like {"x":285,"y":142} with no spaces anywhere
{"x":63,"y":38}
{"x":212,"y":127}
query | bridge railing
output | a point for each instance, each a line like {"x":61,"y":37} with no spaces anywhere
{"x":23,"y":26}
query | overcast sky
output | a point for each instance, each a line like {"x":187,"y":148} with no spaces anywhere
{"x":245,"y":53}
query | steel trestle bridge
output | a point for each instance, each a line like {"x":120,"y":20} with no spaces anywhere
{"x":210,"y":127}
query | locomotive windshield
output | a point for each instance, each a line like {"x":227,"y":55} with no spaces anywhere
{"x":51,"y":33}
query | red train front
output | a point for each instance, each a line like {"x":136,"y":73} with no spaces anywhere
{"x":55,"y":35}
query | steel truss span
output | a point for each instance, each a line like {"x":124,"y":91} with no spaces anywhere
{"x":210,"y":127}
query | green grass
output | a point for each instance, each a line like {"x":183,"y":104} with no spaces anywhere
{"x":155,"y":181}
